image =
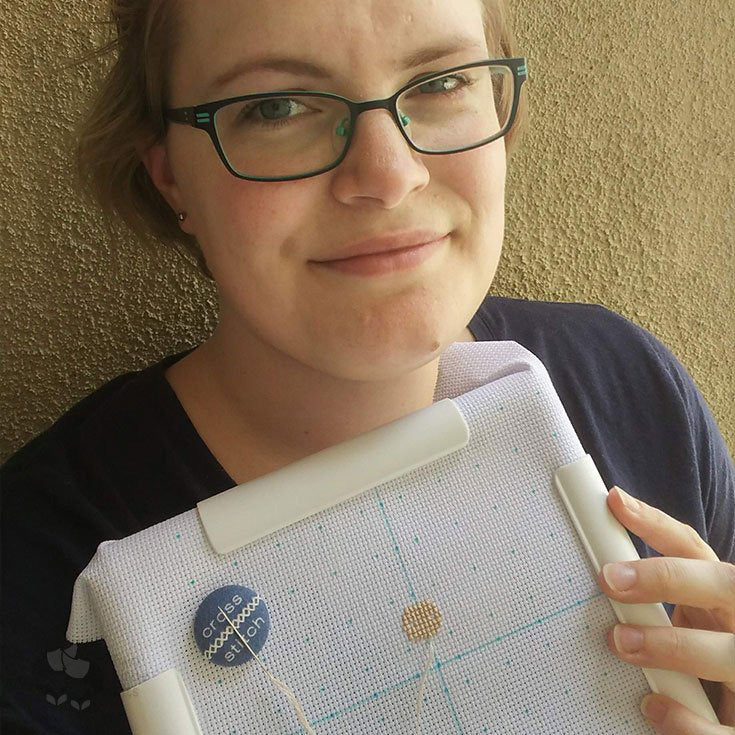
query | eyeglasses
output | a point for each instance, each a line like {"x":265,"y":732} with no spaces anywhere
{"x":282,"y":136}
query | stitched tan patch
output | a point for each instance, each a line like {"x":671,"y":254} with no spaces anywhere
{"x":422,"y":620}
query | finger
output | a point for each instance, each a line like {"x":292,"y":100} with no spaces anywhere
{"x":657,"y":529}
{"x":676,"y":719}
{"x":692,"y":582}
{"x":706,"y":654}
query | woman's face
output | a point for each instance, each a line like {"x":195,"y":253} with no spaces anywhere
{"x":260,"y":239}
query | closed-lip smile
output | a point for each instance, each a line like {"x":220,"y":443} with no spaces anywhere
{"x":386,"y":243}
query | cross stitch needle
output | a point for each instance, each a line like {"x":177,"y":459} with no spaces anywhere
{"x":289,"y":694}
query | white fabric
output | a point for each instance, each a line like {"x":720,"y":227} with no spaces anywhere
{"x":481,"y":532}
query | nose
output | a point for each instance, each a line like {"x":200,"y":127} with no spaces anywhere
{"x":380,"y":167}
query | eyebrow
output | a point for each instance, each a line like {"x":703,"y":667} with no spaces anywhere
{"x":299,"y":67}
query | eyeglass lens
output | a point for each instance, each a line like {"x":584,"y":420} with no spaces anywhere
{"x":294,"y":135}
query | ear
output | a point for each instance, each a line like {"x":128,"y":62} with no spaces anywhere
{"x":156,"y":161}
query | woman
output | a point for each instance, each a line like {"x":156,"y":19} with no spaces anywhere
{"x":312,"y":348}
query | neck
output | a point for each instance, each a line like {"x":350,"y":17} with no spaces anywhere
{"x":257,"y":408}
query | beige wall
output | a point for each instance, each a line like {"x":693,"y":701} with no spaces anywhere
{"x":623,"y":195}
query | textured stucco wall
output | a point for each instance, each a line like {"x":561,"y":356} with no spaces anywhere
{"x":623,"y":195}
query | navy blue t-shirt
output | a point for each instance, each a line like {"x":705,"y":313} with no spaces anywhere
{"x":127,"y":457}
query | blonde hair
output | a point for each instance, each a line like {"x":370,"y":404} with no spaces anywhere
{"x":125,"y":117}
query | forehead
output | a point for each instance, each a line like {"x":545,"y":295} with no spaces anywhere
{"x":354,"y":39}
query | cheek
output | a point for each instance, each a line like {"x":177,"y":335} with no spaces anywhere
{"x":255,"y":240}
{"x":474,"y":181}
{"x":478,"y":178}
{"x":477,"y":181}
{"x":247,"y":223}
{"x":232,"y":217}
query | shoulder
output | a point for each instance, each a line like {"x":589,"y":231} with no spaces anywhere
{"x":573,"y":322}
{"x":58,"y":500}
{"x":48,"y":445}
{"x":61,"y":477}
{"x":590,"y":340}
{"x":604,"y":363}
{"x":57,"y":506}
{"x":634,"y":406}
{"x":102,"y":407}
{"x":45,"y":477}
{"x":119,"y":460}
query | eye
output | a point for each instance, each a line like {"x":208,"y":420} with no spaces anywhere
{"x":272,"y":110}
{"x":443,"y":84}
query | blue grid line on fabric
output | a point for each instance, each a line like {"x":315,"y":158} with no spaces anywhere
{"x":397,"y":551}
{"x":396,"y":547}
{"x":540,"y":621}
{"x":453,"y":709}
{"x":439,"y":664}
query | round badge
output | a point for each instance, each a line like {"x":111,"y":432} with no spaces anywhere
{"x":214,"y":635}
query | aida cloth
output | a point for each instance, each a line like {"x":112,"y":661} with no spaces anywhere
{"x":479,"y":541}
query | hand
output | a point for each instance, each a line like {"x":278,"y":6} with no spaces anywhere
{"x":702,"y":639}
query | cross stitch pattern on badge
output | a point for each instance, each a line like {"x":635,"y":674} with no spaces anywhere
{"x":216,"y":638}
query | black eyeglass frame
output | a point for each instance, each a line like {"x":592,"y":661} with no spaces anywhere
{"x":202,"y":116}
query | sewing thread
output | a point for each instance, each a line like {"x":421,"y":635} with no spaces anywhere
{"x":278,"y":683}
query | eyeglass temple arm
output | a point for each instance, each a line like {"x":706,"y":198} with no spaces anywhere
{"x":184,"y":115}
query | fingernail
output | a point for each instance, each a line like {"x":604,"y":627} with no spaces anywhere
{"x":620,"y":577}
{"x":628,"y":500}
{"x":627,"y":639}
{"x":653,"y":708}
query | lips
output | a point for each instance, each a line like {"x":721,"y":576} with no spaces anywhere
{"x":387,"y":262}
{"x":386,"y":243}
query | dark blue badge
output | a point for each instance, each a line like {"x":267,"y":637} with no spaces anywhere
{"x":214,"y":635}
